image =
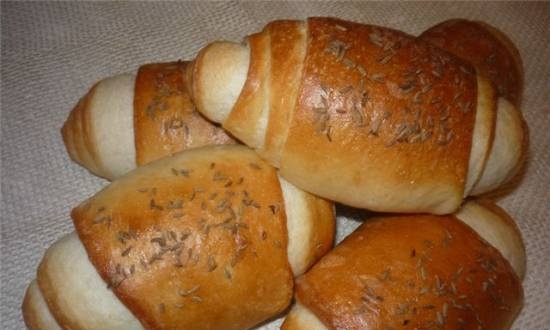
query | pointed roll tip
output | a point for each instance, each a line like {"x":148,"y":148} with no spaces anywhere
{"x":217,"y":78}
{"x":498,"y":228}
{"x":508,"y":150}
{"x":99,"y":131}
{"x":36,"y":313}
{"x":75,"y":134}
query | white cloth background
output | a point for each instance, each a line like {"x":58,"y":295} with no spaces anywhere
{"x":53,"y":52}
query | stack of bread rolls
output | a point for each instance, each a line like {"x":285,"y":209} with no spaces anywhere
{"x":197,"y":231}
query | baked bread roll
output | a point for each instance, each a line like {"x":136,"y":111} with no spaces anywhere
{"x":363,"y":115}
{"x":460,"y":271}
{"x":210,"y":238}
{"x":129,"y":120}
{"x":486,"y":47}
{"x":497,"y":58}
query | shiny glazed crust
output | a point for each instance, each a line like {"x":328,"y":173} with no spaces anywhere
{"x":497,"y":58}
{"x":165,"y":120}
{"x":487,"y":48}
{"x":415,"y":271}
{"x":218,"y":233}
{"x":198,"y":234}
{"x":127,"y":121}
{"x":369,"y":117}
{"x":363,"y":115}
{"x":376,"y":123}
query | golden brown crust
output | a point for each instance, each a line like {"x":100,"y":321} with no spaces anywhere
{"x":176,"y":254}
{"x":381,"y":120}
{"x":288,"y":47}
{"x":418,"y":271}
{"x":391,"y":112}
{"x":165,"y":120}
{"x":515,"y":92}
{"x":485,"y":47}
{"x":248,"y":118}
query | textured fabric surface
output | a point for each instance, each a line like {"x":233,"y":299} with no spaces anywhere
{"x":53,"y":52}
